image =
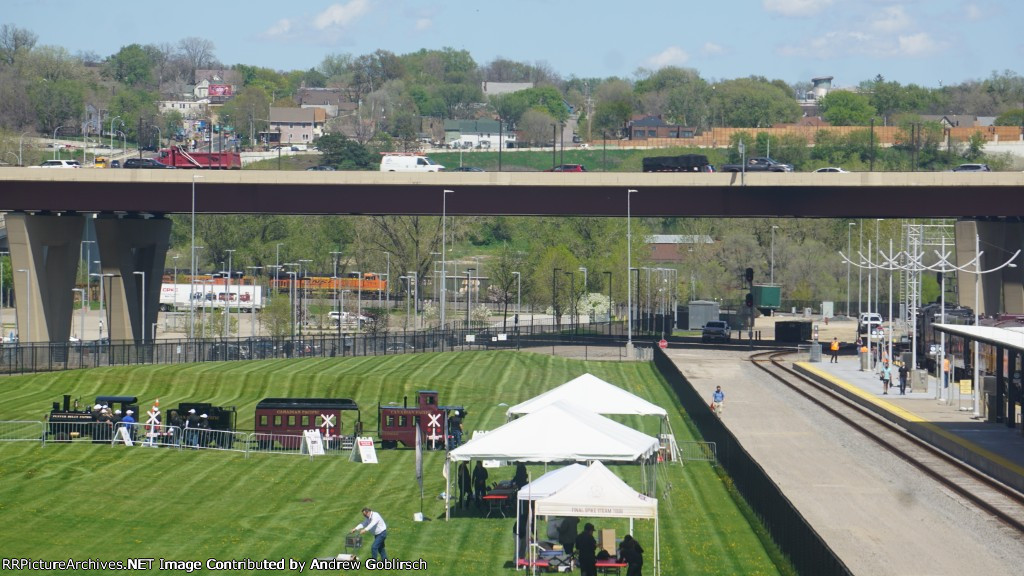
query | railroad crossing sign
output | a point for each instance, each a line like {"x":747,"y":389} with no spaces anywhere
{"x":663,"y":344}
{"x":327,"y":422}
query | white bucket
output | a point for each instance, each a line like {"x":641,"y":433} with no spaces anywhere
{"x":417,"y":517}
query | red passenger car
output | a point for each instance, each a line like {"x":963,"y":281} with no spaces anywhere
{"x":287,"y":418}
{"x":398,"y":423}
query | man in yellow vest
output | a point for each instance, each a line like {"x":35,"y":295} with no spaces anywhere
{"x":834,"y":348}
{"x":945,"y":371}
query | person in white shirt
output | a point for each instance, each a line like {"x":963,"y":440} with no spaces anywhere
{"x":372,"y":521}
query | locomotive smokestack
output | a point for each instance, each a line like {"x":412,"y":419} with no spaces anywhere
{"x":67,"y":402}
{"x":405,"y":401}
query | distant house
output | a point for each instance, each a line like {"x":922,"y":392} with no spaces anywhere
{"x":953,"y":120}
{"x":217,"y":86}
{"x":295,"y":125}
{"x":482,"y":133}
{"x":332,"y":100}
{"x":650,"y":127}
{"x":673,"y":247}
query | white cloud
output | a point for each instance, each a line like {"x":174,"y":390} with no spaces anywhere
{"x":920,"y":44}
{"x":796,"y":7}
{"x":672,"y":56}
{"x":280,"y":28}
{"x":424,"y":23}
{"x":712,"y":49}
{"x":892,"y":19}
{"x":973,"y":12}
{"x":341,"y":15}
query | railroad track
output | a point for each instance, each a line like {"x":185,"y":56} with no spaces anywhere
{"x":966,"y":482}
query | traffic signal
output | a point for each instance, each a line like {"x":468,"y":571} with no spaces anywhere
{"x":749,"y":275}
{"x":750,"y":299}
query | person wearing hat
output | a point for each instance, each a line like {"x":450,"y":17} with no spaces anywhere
{"x":455,"y":429}
{"x":127,"y":421}
{"x":192,"y":428}
{"x":586,"y":547}
{"x":204,"y":430}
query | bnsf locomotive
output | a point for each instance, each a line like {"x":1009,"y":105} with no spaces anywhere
{"x":281,"y":421}
{"x":398,"y":423}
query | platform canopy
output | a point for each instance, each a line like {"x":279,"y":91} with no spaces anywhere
{"x":592,"y":393}
{"x":560,"y":432}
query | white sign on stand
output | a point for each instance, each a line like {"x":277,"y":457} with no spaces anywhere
{"x":364,"y":451}
{"x":312,"y":443}
{"x":123,"y":433}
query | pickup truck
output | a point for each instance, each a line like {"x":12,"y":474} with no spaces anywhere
{"x":758,"y":164}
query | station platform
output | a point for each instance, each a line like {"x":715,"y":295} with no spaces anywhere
{"x":949,"y":423}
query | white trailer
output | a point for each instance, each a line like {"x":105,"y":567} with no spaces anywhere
{"x":245,"y":297}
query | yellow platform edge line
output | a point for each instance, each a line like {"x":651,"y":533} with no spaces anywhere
{"x":911,"y":417}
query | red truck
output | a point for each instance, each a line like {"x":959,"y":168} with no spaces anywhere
{"x":180,"y":158}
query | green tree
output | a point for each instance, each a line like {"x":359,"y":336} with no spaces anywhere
{"x":57,"y":103}
{"x":845,"y":108}
{"x":132,"y":66}
{"x":754,"y":103}
{"x":346,"y":154}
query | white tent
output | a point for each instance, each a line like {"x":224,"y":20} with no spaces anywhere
{"x":590,"y":392}
{"x":551,"y":482}
{"x":559,"y":433}
{"x":599,"y":493}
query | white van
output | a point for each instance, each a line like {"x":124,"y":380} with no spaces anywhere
{"x":399,"y":162}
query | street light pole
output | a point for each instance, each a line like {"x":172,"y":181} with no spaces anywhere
{"x":469,"y":300}
{"x":55,"y":141}
{"x":609,"y":302}
{"x":772,"y":265}
{"x":444,"y":237}
{"x":81,"y":333}
{"x":192,"y":271}
{"x":227,"y":296}
{"x":142,"y":300}
{"x":629,"y":268}
{"x":849,"y":246}
{"x":252,"y":308}
{"x":415,"y":299}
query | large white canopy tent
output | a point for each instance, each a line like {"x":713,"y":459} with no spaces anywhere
{"x":594,"y":394}
{"x":599,"y":493}
{"x":560,"y":432}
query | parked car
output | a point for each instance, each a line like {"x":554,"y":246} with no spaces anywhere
{"x":567,"y":168}
{"x":832,"y":169}
{"x":323,"y":168}
{"x":59,"y":164}
{"x":972,"y":168}
{"x":144,"y":163}
{"x":400,"y":347}
{"x":716,"y":330}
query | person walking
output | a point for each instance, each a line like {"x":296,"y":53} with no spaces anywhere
{"x":586,"y":548}
{"x":903,"y":373}
{"x":834,"y":348}
{"x":886,"y":377}
{"x":372,"y":521}
{"x":718,"y":401}
{"x":945,"y":371}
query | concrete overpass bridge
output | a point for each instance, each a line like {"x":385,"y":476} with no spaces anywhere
{"x":46,"y":210}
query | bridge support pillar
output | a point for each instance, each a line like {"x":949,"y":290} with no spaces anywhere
{"x":1001,"y":291}
{"x":132,"y":249}
{"x":44,"y":260}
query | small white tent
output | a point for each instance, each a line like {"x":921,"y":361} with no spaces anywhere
{"x":559,"y":433}
{"x":590,"y":392}
{"x":599,"y":493}
{"x":551,"y":482}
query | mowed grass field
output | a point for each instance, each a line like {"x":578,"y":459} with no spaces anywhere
{"x":83,"y":501}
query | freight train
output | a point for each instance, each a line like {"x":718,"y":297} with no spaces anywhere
{"x":369,"y":282}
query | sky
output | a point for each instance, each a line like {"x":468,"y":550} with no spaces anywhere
{"x":925,"y":42}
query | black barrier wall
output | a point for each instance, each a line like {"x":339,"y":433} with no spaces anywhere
{"x":796,"y":538}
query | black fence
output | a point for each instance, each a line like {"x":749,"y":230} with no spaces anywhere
{"x":788,"y":528}
{"x":43,"y":357}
